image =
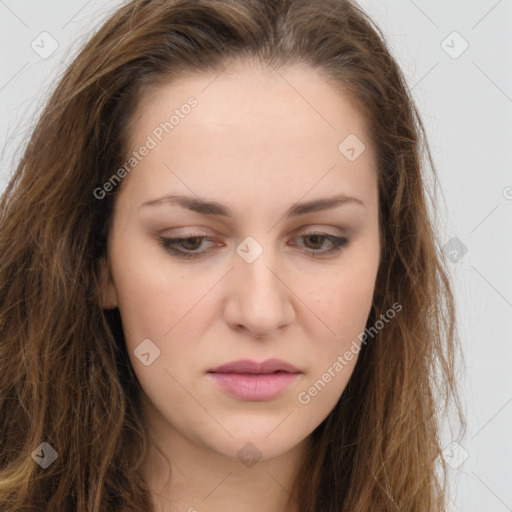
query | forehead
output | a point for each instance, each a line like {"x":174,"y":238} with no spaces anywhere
{"x":248,"y":95}
{"x":253,"y":129}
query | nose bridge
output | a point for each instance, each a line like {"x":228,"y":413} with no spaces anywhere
{"x":260,"y":300}
{"x":259,"y":282}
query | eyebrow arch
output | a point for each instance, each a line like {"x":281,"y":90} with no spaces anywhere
{"x":215,"y":208}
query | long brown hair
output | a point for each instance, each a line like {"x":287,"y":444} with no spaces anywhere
{"x":65,"y":376}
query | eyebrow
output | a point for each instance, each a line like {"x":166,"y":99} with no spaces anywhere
{"x":215,"y":208}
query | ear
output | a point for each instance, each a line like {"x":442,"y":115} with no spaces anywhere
{"x":108,"y":292}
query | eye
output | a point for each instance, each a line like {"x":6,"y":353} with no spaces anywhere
{"x":317,"y":240}
{"x":188,"y":247}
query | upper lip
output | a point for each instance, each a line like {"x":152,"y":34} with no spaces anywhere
{"x":248,"y":366}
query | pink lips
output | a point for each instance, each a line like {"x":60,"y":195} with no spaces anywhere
{"x":252,"y":381}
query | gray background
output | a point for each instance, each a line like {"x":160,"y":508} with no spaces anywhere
{"x":465,"y":98}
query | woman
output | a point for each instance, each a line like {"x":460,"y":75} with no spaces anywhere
{"x":220,"y":282}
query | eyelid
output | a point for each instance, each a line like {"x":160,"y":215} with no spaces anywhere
{"x":313,"y":228}
{"x":338,"y":244}
{"x":190,"y":232}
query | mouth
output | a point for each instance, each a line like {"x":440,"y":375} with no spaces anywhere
{"x":253,"y":367}
{"x":251,"y":381}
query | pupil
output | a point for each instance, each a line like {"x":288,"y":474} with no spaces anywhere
{"x":316,"y":238}
{"x":190,"y":241}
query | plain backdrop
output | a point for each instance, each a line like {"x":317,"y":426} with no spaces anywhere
{"x":457,"y":58}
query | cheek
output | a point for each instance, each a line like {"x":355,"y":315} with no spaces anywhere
{"x":158,"y":303}
{"x":333,"y":358}
{"x":145,"y":304}
{"x":345,"y":315}
{"x":344,"y":307}
{"x":151,"y":292}
{"x":343,"y":304}
{"x":343,"y":300}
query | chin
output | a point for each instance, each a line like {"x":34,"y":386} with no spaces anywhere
{"x":254,"y":444}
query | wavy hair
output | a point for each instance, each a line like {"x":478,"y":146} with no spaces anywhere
{"x":65,"y":375}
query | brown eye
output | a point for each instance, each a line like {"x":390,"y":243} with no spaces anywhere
{"x":315,"y":241}
{"x":192,"y":243}
{"x":188,"y":247}
{"x":185,"y":247}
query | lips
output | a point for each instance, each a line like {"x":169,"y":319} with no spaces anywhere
{"x":252,"y":381}
{"x":253,"y":367}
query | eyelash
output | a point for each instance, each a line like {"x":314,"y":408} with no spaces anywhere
{"x":169,"y":244}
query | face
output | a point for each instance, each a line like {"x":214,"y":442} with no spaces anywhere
{"x":236,"y":269}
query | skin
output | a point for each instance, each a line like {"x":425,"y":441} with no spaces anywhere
{"x":258,"y":142}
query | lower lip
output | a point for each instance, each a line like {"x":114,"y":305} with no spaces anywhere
{"x":256,"y":387}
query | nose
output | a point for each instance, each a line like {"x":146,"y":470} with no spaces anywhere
{"x":259,"y":299}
